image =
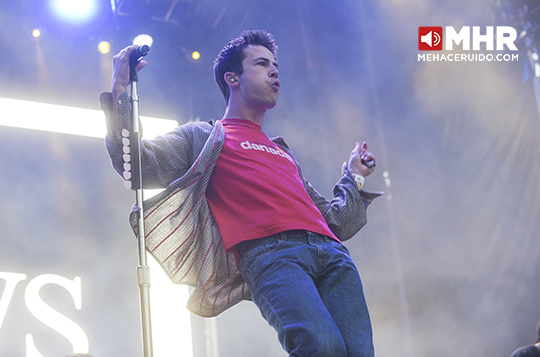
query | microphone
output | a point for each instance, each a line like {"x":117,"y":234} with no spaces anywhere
{"x":139,"y":53}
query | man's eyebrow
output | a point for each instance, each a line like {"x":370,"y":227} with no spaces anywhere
{"x":267,"y":61}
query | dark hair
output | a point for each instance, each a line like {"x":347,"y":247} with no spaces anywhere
{"x":231,"y":56}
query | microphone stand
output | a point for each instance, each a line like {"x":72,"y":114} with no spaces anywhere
{"x":143,"y":271}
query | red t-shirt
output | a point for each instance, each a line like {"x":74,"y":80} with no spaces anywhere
{"x":255,"y":190}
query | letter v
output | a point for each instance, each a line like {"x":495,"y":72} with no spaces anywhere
{"x":12,"y":279}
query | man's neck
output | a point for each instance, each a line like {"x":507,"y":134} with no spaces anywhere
{"x":255,"y":116}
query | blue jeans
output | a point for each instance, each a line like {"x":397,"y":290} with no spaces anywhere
{"x":309,"y":290}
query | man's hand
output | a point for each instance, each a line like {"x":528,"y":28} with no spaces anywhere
{"x":120,"y":78}
{"x":359,"y":156}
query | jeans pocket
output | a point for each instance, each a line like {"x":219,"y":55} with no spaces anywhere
{"x":257,"y":252}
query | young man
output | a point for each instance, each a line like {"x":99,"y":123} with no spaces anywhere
{"x":238,"y":220}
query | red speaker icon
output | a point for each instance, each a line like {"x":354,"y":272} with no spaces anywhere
{"x":430,"y":38}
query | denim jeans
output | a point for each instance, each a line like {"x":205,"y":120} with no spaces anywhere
{"x":309,"y":290}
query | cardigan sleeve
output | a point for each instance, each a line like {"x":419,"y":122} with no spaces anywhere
{"x":164,"y":158}
{"x":346,"y":212}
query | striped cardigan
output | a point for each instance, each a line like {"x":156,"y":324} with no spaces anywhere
{"x":181,"y":233}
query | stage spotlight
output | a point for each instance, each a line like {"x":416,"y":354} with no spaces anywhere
{"x":74,"y":11}
{"x":104,"y":47}
{"x":36,"y":33}
{"x":143,"y":39}
{"x":195,"y":55}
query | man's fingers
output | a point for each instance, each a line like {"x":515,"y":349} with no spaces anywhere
{"x":141,"y":65}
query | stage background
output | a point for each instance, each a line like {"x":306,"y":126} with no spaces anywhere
{"x":450,"y":256}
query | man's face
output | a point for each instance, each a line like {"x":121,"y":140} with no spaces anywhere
{"x":259,"y":83}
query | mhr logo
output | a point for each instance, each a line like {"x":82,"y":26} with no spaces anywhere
{"x":431,"y":38}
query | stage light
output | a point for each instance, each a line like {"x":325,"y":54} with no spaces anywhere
{"x":104,"y":47}
{"x":74,"y":11}
{"x":143,"y":39}
{"x":36,"y":33}
{"x":386,"y":176}
{"x":68,"y":120}
{"x":195,"y":55}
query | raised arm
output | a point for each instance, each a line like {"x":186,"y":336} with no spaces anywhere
{"x":165,"y":158}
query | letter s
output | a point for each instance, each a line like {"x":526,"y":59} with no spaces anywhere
{"x":52,"y":318}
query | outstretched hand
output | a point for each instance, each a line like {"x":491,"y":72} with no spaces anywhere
{"x":359,"y":157}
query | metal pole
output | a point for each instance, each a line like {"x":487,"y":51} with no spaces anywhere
{"x":143,"y":271}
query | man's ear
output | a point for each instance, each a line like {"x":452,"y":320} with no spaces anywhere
{"x":231,"y":78}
